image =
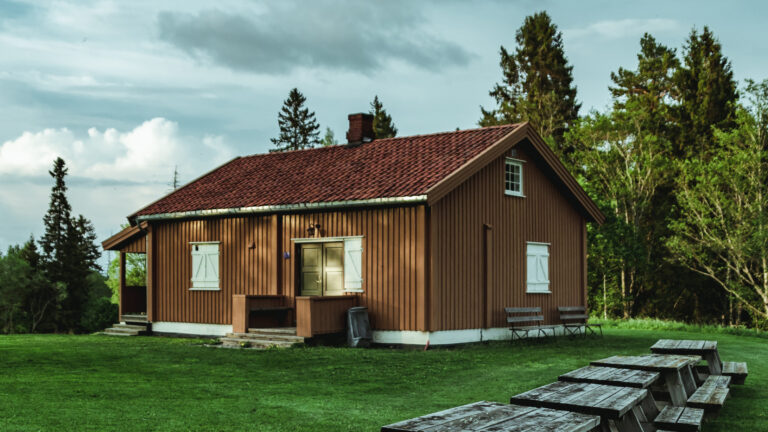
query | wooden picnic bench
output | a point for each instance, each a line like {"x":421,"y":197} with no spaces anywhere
{"x":519,"y":318}
{"x":711,"y":395}
{"x":493,"y":416}
{"x":708,"y":351}
{"x":675,"y":369}
{"x":575,"y":318}
{"x":620,"y":406}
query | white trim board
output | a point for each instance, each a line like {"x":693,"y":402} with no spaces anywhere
{"x":197,"y":329}
{"x":323,"y":239}
{"x":446,"y":337}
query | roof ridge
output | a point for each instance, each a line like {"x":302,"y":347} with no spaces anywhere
{"x":380,"y":140}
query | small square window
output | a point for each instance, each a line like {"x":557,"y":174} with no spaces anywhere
{"x":513,"y":177}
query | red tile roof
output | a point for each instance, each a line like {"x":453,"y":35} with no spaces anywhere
{"x":385,"y":168}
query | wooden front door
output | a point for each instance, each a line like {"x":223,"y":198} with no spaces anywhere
{"x":322,"y":269}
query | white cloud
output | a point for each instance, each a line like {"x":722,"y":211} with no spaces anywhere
{"x":617,"y":29}
{"x":147,"y":153}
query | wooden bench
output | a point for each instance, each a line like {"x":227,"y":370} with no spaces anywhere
{"x":518,"y":317}
{"x":575,"y":317}
{"x":681,"y":419}
{"x":712,"y":394}
{"x":736,"y":370}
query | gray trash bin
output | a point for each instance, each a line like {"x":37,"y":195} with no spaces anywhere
{"x":358,"y":327}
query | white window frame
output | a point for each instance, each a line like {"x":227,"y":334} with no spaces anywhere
{"x":519,"y":164}
{"x":353,"y":257}
{"x":203,"y":285}
{"x":528,"y":288}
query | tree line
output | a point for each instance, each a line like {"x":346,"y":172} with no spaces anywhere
{"x":54,"y":283}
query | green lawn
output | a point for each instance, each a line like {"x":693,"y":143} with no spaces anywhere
{"x":59,"y":382}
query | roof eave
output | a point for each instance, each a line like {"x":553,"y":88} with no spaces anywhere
{"x":124,"y":236}
{"x":373,"y":202}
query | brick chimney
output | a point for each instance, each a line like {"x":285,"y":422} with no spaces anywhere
{"x":360,"y":129}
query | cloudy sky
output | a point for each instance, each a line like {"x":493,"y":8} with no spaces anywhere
{"x":125,"y":91}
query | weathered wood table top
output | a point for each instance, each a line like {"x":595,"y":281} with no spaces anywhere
{"x":604,"y":400}
{"x":651,"y":362}
{"x":612,"y":376}
{"x":683,"y":346}
{"x":493,"y":416}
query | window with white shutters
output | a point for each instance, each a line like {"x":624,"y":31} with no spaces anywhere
{"x":205,"y":265}
{"x":537,"y":267}
{"x":353,"y":264}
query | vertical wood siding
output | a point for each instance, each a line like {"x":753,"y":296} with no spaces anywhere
{"x":393,"y":267}
{"x":545,"y":214}
{"x":393,"y":270}
{"x":242,"y":269}
{"x":137,"y":245}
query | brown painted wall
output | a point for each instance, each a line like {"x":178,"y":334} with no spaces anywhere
{"x":545,"y":214}
{"x":137,"y":245}
{"x":394,"y":276}
{"x":393,"y":259}
{"x":242,"y":270}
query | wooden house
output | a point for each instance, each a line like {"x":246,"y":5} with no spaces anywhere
{"x":434,"y":234}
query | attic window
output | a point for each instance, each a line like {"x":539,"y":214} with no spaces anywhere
{"x":513,"y":177}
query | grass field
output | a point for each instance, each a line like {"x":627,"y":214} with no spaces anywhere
{"x":101,"y":383}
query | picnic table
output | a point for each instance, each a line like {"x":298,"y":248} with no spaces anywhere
{"x":706,"y":349}
{"x":676,"y":370}
{"x":493,"y":416}
{"x":620,"y":405}
{"x":612,"y":376}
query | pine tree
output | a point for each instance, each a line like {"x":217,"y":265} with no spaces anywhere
{"x":298,"y":127}
{"x":537,"y":83}
{"x":383,"y":127}
{"x":56,"y":242}
{"x":69,"y":253}
{"x":649,"y":88}
{"x":706,"y":93}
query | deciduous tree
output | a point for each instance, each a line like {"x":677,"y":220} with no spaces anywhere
{"x":724,"y":197}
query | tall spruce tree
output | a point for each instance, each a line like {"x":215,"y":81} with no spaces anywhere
{"x":706,"y":92}
{"x":56,"y":242}
{"x":298,"y":127}
{"x":650,"y":87}
{"x":537,"y":83}
{"x":69,"y":253}
{"x":383,"y":127}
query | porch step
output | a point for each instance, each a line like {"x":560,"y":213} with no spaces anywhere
{"x":262,"y":338}
{"x":134,"y":318}
{"x":274,"y":330}
{"x":267,"y":336}
{"x":236,"y":342}
{"x":124,"y":329}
